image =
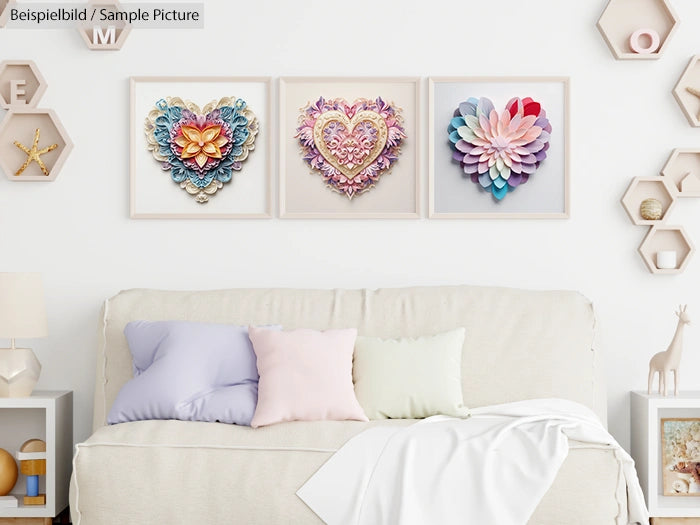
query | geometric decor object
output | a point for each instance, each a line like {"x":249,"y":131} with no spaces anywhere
{"x":33,"y":145}
{"x":21,"y":84}
{"x":199,"y":134}
{"x":663,"y":238}
{"x":629,"y":25}
{"x":19,"y":372}
{"x":683,"y":170}
{"x":643,"y":188}
{"x":687,"y":91}
{"x":104,"y":36}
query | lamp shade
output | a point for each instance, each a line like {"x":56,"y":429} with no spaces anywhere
{"x":22,"y":306}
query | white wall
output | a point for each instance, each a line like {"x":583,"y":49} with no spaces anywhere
{"x":625,"y":122}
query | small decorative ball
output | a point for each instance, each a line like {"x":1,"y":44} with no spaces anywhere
{"x":8,"y":472}
{"x":651,"y":210}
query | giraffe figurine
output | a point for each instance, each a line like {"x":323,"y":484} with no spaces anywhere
{"x":664,"y":362}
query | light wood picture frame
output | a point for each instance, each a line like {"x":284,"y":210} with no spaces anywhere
{"x":304,"y":192}
{"x":154,"y":194}
{"x":451,"y":192}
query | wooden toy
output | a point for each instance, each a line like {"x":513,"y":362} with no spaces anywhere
{"x":32,"y":463}
{"x":8,"y":472}
{"x":670,"y":359}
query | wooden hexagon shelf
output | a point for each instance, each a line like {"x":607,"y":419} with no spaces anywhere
{"x":98,"y":36}
{"x":683,"y":170}
{"x":21,"y":126}
{"x":21,"y":84}
{"x":642,"y":188}
{"x":3,"y":6}
{"x":687,"y":91}
{"x":661,"y":238}
{"x":621,"y":18}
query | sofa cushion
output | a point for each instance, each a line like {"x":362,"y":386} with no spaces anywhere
{"x":188,"y":371}
{"x":304,"y":375}
{"x":410,"y":377}
{"x":252,"y":475}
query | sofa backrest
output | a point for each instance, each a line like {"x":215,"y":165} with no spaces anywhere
{"x":519,"y":344}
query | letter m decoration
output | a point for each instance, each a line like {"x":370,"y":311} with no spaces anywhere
{"x":103,"y":34}
{"x":108,"y":37}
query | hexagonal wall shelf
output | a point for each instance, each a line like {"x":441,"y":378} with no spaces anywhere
{"x":621,"y":18}
{"x":3,"y":6}
{"x":661,"y":238}
{"x":21,"y":84}
{"x":642,"y":188}
{"x":687,"y":91}
{"x":98,"y":37}
{"x":21,"y":126}
{"x":683,"y":170}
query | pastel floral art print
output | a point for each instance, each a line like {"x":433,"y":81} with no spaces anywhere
{"x":499,"y":152}
{"x":201,"y":148}
{"x":351,"y":144}
{"x":680,"y":456}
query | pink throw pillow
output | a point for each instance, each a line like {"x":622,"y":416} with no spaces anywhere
{"x":305,"y":375}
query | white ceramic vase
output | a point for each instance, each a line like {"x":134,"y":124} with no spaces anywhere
{"x":19,"y":372}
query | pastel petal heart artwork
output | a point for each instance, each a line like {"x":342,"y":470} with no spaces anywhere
{"x":499,"y":152}
{"x":350,"y":144}
{"x":201,"y":148}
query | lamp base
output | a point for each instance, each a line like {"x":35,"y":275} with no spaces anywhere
{"x":19,"y":372}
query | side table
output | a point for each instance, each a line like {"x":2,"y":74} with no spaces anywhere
{"x":646,"y":412}
{"x":46,"y":415}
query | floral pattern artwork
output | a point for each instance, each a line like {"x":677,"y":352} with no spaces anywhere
{"x":681,"y":456}
{"x":499,"y":152}
{"x":351,"y":144}
{"x":201,"y":148}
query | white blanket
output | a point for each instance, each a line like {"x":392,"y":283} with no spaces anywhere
{"x":492,"y":468}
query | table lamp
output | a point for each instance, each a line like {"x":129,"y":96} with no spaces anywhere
{"x":22,"y":316}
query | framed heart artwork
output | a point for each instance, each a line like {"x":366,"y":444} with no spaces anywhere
{"x":499,"y":147}
{"x":349,"y":148}
{"x":200,"y":148}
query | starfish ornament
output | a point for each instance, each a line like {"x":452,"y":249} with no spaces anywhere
{"x":34,"y":154}
{"x":695,"y":92}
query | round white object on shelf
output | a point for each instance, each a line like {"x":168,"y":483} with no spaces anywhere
{"x":651,"y":35}
{"x":666,"y":260}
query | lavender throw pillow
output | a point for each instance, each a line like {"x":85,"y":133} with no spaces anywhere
{"x":188,"y":371}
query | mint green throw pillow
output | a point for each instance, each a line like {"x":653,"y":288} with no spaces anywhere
{"x":410,"y":378}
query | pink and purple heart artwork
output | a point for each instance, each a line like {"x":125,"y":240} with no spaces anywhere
{"x":499,"y":152}
{"x":351,"y":144}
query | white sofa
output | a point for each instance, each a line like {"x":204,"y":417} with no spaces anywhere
{"x":519,"y":345}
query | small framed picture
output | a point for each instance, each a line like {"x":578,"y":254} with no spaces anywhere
{"x":498,"y":148}
{"x":200,"y":148}
{"x":349,"y":148}
{"x":680,"y":456}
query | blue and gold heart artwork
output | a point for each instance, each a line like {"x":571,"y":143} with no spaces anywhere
{"x":201,"y":148}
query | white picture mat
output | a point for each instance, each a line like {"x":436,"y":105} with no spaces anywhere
{"x":546,"y":191}
{"x":154,"y":192}
{"x":303,"y":192}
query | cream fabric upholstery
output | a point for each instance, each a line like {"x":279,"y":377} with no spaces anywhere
{"x":184,"y":473}
{"x":519,"y":345}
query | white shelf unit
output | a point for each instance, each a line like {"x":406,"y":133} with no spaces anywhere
{"x":646,"y":413}
{"x":46,"y":415}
